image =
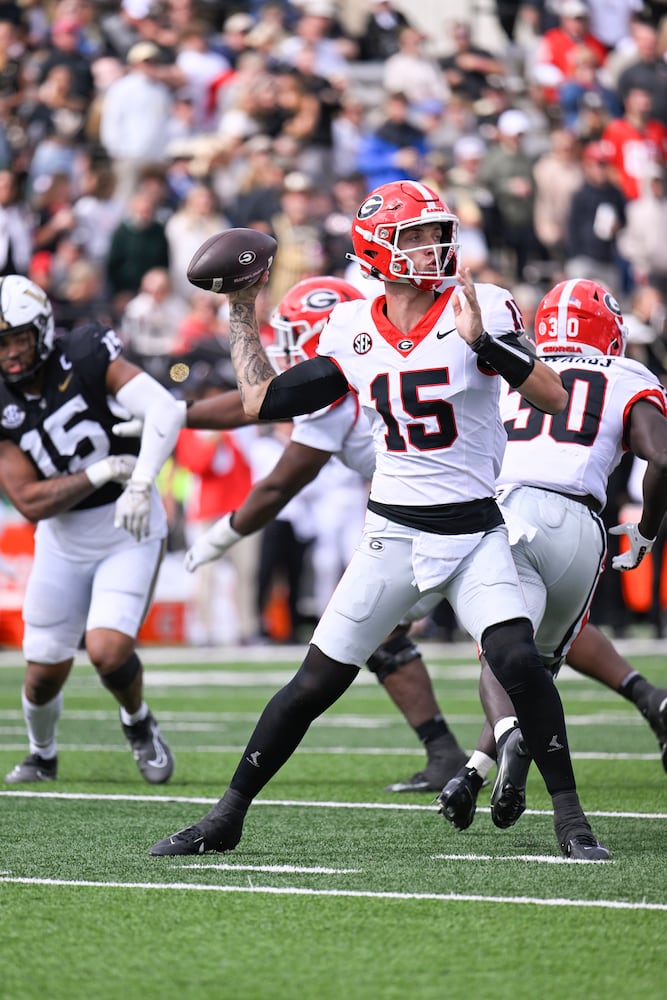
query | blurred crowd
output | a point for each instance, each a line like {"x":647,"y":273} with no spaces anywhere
{"x":132,"y":131}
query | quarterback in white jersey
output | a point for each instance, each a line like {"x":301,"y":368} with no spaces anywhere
{"x":427,"y":372}
{"x":553,"y":484}
{"x":335,"y":437}
{"x":100,"y":523}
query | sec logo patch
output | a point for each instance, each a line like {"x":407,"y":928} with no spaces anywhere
{"x":362,"y":343}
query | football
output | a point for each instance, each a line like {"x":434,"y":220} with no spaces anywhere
{"x":231,"y":260}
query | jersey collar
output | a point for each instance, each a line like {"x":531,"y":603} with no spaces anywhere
{"x":406,"y":342}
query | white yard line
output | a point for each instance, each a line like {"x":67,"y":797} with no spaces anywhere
{"x":303,"y":804}
{"x":338,"y":751}
{"x":442,"y":897}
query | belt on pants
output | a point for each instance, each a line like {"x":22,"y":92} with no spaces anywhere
{"x":588,"y":500}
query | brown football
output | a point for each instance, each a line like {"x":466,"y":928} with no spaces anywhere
{"x":231,"y":260}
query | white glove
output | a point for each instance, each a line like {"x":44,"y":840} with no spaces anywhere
{"x":129,"y":428}
{"x":118,"y":468}
{"x":133,"y":427}
{"x":212,"y":544}
{"x":639,"y":546}
{"x":133,"y":508}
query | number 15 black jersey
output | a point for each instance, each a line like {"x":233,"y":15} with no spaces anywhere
{"x":68,"y":427}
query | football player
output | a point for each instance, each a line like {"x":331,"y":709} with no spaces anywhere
{"x":338,"y":433}
{"x":553,"y":485}
{"x":101,"y":526}
{"x":426,"y":360}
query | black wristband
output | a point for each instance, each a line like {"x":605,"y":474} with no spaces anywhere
{"x":512,"y":363}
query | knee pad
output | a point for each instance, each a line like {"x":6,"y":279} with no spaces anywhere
{"x":511,"y":653}
{"x":393,"y":654}
{"x":122,"y":676}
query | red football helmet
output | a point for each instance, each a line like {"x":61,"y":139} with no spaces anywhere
{"x":579,"y":317}
{"x":299,"y":317}
{"x":381,"y":218}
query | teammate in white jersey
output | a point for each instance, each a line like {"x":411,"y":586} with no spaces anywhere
{"x":338,"y":434}
{"x":425,"y":360}
{"x":101,"y":526}
{"x":553,"y":484}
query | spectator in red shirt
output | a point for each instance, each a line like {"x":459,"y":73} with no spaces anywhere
{"x":222,"y":478}
{"x":559,"y":44}
{"x":636,"y":141}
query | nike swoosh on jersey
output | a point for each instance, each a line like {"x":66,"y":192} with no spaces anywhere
{"x":65,"y":382}
{"x":441,"y":336}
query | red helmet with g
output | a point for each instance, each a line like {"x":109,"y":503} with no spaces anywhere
{"x":579,"y":317}
{"x":299,"y":318}
{"x":381,"y":218}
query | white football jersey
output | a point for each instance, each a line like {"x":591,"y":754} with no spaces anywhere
{"x":577,"y":450}
{"x":341,"y":429}
{"x":433,"y":413}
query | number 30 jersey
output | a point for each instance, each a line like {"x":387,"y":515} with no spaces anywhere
{"x":68,"y":427}
{"x":577,"y":450}
{"x":434,"y":413}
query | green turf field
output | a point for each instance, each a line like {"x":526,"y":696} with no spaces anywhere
{"x":338,"y":890}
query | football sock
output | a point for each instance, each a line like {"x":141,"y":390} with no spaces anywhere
{"x":481,"y":763}
{"x":503,"y":726}
{"x":319,"y":682}
{"x":430,"y":730}
{"x":41,"y":722}
{"x":637,"y":690}
{"x":131,"y":718}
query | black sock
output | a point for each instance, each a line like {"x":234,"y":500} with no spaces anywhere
{"x":318,"y":683}
{"x":637,"y":690}
{"x":430,"y":730}
{"x":512,"y":656}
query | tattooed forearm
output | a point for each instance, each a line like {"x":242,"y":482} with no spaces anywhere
{"x":252,"y":367}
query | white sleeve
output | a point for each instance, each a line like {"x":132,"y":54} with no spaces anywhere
{"x":163,"y":419}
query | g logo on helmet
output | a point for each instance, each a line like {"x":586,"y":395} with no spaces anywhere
{"x":370,"y":206}
{"x":321,"y":300}
{"x":611,"y":304}
{"x":247,"y":257}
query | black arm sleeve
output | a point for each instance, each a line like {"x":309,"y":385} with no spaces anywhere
{"x":309,"y":386}
{"x":505,"y":355}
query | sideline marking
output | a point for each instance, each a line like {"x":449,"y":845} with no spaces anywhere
{"x":443,"y":897}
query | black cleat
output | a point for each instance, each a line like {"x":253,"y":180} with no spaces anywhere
{"x":219,"y":830}
{"x":33,"y":768}
{"x":445,"y":759}
{"x":458,"y":799}
{"x":657,"y":718}
{"x":582,"y":845}
{"x":508,"y":797}
{"x":154,"y":758}
{"x":577,"y":840}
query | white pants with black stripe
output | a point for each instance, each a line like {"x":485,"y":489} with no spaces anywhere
{"x":559,"y":555}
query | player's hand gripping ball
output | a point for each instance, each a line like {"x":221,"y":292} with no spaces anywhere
{"x":231,"y":260}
